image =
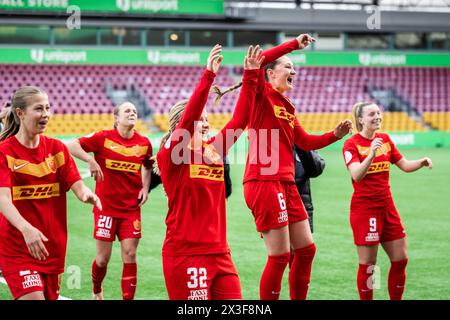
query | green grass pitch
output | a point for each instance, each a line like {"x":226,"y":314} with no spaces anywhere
{"x":422,"y":198}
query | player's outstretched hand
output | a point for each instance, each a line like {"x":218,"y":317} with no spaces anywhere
{"x":254,"y":58}
{"x":426,"y":162}
{"x":344,"y":127}
{"x":304,"y":40}
{"x":92,"y":198}
{"x":214,"y":58}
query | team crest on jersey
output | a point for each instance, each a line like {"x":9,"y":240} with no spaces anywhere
{"x":51,"y":163}
{"x":137,"y":225}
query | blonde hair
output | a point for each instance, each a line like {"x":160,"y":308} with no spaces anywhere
{"x":175,"y":114}
{"x":219,"y":93}
{"x":357,"y":112}
{"x":19,"y":100}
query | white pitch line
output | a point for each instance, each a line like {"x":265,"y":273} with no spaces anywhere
{"x":3,"y":281}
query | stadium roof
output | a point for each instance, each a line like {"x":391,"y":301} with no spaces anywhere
{"x":386,"y":5}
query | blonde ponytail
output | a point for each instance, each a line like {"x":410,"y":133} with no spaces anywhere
{"x":219,"y":93}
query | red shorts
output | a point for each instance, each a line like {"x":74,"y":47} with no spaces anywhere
{"x":274,"y":204}
{"x":373,"y":225}
{"x":24,"y":282}
{"x":106,"y":227}
{"x":201,"y":277}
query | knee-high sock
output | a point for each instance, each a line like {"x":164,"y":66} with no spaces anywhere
{"x":300,"y":273}
{"x":98,"y":274}
{"x":129,"y":280}
{"x":365,"y":286}
{"x":397,"y":279}
{"x":270,"y":284}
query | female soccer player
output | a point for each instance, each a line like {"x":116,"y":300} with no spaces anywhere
{"x":373,"y":216}
{"x":35,"y":174}
{"x":119,"y":155}
{"x":196,"y":258}
{"x":269,"y":184}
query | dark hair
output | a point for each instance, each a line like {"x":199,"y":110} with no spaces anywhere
{"x":271,"y":65}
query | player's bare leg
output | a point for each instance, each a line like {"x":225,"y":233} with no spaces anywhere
{"x":37,"y":295}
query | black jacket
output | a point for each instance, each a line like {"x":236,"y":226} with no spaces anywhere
{"x":308,"y":164}
{"x":156,"y":179}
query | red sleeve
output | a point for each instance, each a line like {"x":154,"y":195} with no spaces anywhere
{"x":196,"y":104}
{"x":5,"y":174}
{"x":228,"y":135}
{"x":147,"y":162}
{"x":273,"y":54}
{"x":69,"y":171}
{"x":92,"y":142}
{"x":395,"y":154}
{"x":350,"y":153}
{"x":307,"y":142}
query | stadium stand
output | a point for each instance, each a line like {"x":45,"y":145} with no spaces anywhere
{"x":322,"y":95}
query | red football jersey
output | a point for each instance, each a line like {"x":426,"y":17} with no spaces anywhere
{"x":375,"y":185}
{"x":274,"y":128}
{"x":194,"y":179}
{"x":39,"y":179}
{"x":120,"y":160}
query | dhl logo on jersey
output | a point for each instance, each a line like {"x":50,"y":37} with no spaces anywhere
{"x":282,"y":113}
{"x":202,"y":171}
{"x":134,"y":151}
{"x":50,"y":165}
{"x":39,"y":191}
{"x":122,"y":165}
{"x":383,"y":150}
{"x":379,"y":167}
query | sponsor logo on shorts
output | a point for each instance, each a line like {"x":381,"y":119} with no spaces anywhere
{"x":33,"y":280}
{"x":103,"y":233}
{"x":283,"y":216}
{"x":372,"y":236}
{"x":201,"y":294}
{"x":24,"y":273}
{"x":39,"y":191}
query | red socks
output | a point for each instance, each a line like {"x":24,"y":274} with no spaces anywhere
{"x":129,"y":280}
{"x":98,"y":274}
{"x":397,"y":279}
{"x":300,"y":273}
{"x":365,"y":286}
{"x":270,"y":284}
